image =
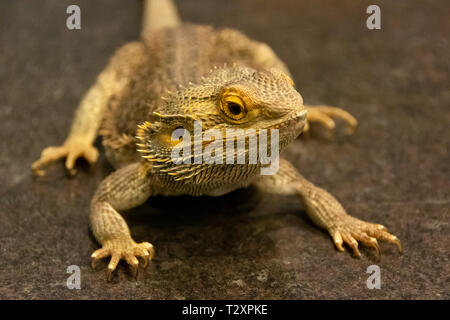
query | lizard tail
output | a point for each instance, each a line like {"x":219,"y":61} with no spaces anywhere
{"x":158,"y":14}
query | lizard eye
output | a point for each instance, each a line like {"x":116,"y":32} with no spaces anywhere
{"x":233,"y":107}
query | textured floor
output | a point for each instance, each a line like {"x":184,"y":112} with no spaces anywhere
{"x":394,"y":170}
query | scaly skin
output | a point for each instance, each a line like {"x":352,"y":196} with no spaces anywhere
{"x":169,"y":79}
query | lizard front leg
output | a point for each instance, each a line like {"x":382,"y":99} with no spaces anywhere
{"x":124,"y":189}
{"x":326,"y":211}
{"x":88,"y":116}
{"x":79,"y":143}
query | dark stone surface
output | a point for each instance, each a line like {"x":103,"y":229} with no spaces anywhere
{"x":394,"y":170}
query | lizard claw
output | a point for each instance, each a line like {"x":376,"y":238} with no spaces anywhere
{"x":71,"y":150}
{"x":323,"y":114}
{"x":127,"y":250}
{"x":350,"y":230}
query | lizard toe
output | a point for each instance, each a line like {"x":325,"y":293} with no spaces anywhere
{"x":352,"y":243}
{"x":120,"y":249}
{"x":351,"y":231}
{"x":325,"y":114}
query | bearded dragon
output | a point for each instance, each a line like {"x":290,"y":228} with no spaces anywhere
{"x":176,"y":74}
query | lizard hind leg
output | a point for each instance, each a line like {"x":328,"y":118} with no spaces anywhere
{"x":324,"y":115}
{"x":71,"y":150}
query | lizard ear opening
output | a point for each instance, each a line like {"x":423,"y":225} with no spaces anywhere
{"x":173,"y":136}
{"x":158,"y":137}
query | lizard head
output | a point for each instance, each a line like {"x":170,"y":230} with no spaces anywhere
{"x":230,"y":103}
